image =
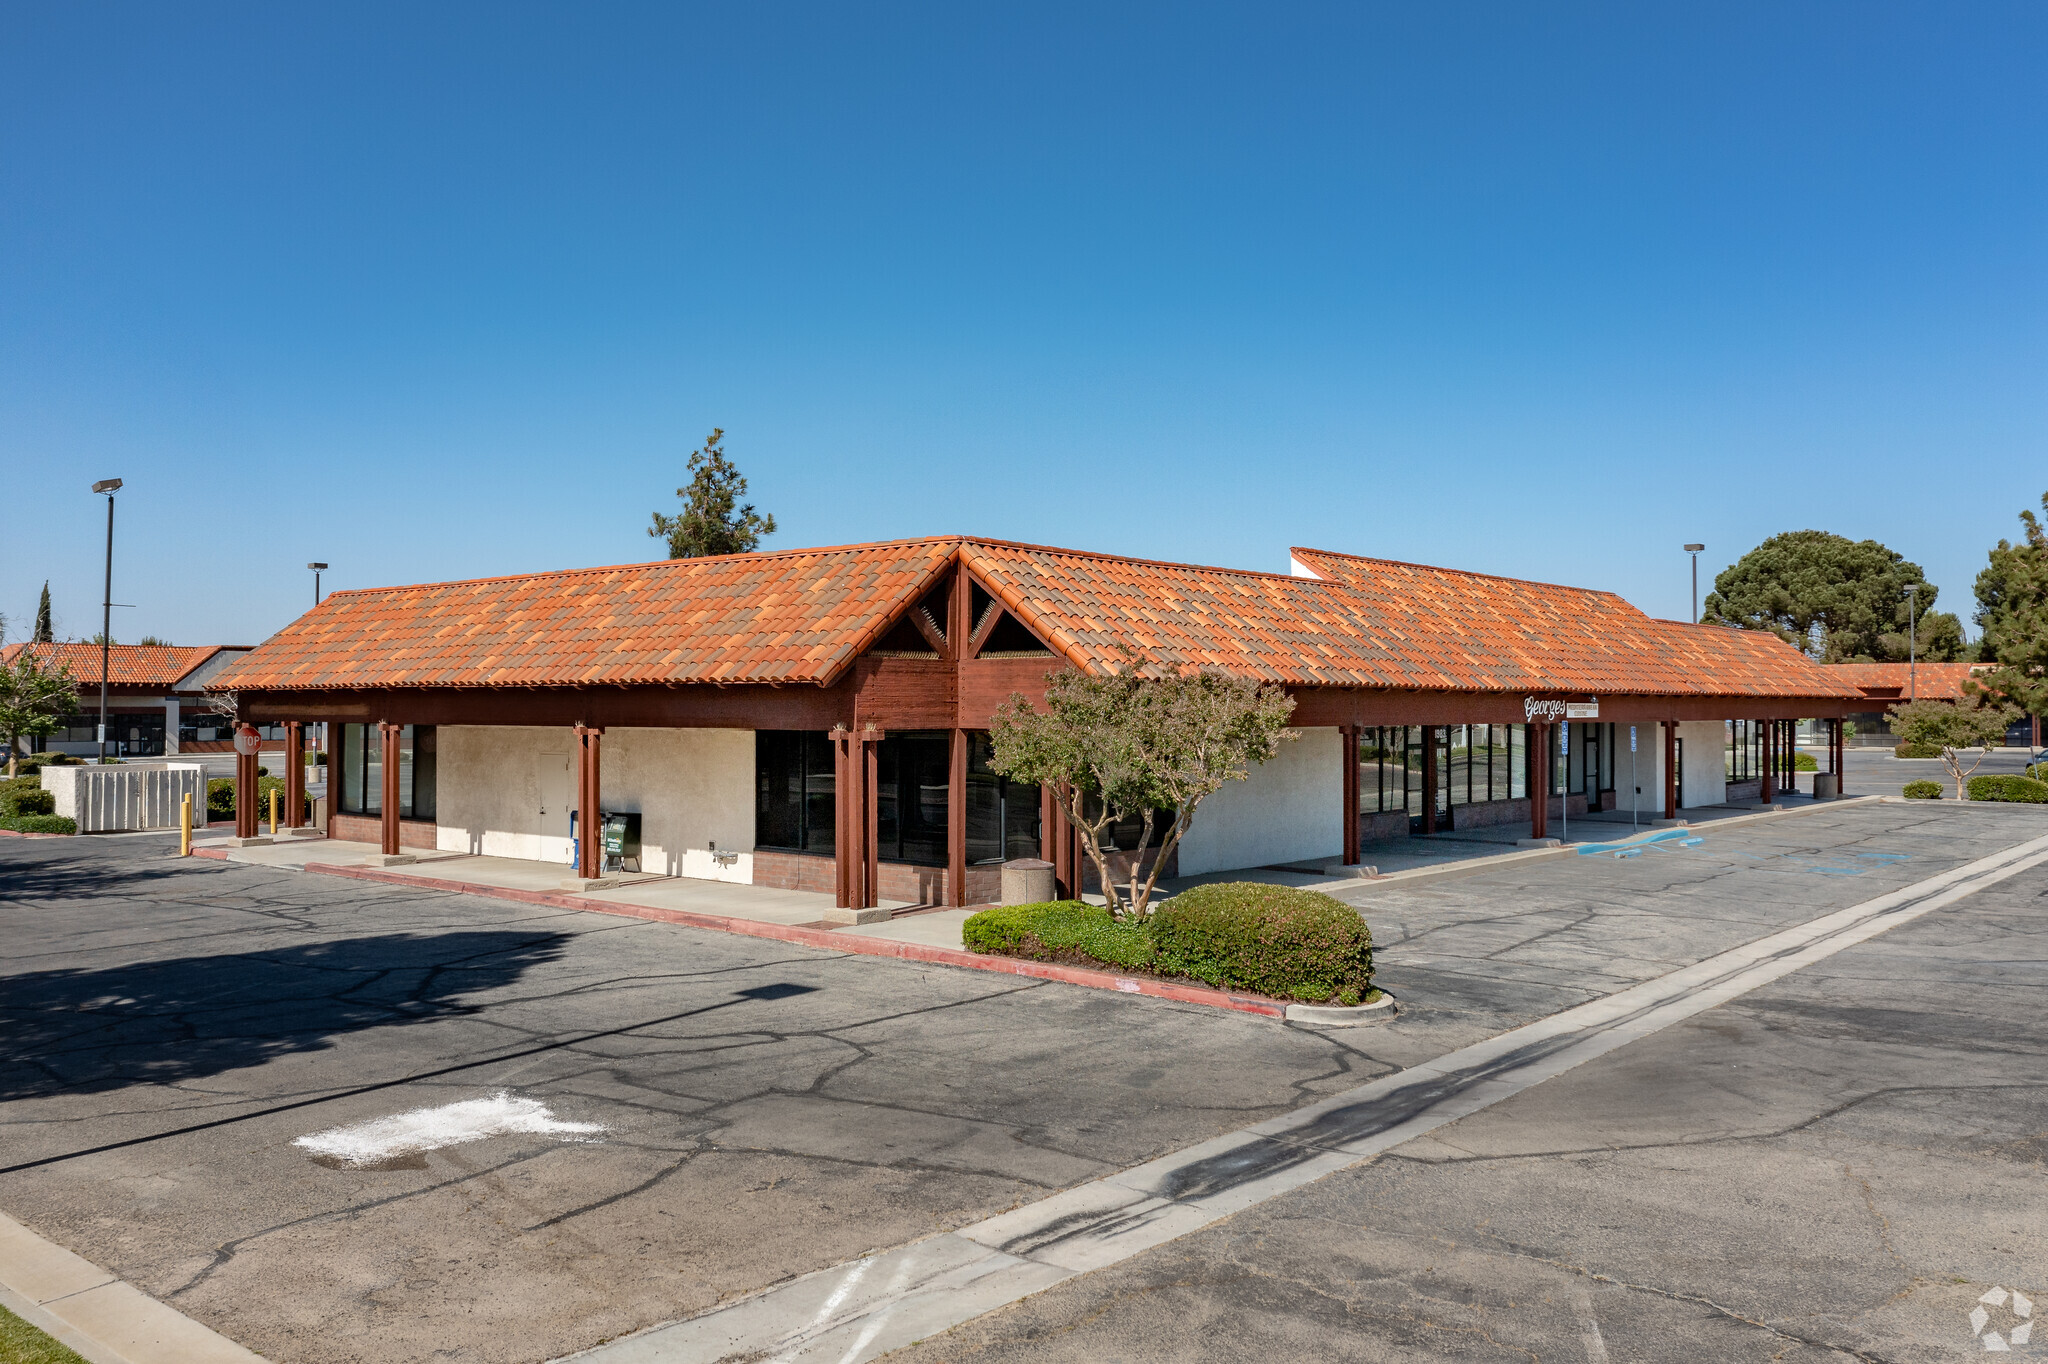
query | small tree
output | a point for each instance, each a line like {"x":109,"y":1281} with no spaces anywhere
{"x":1952,"y":727}
{"x":32,"y":700}
{"x":712,"y":521}
{"x":43,"y":633}
{"x":1127,"y":744}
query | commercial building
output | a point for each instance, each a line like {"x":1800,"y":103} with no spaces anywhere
{"x":817,"y":718}
{"x":1884,"y":685}
{"x":156,"y":698}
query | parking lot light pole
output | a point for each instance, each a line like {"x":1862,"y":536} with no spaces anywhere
{"x":317,"y":568}
{"x":109,"y":486}
{"x":1694,"y":550}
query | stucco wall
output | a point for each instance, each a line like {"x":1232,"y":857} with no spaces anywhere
{"x":691,"y":787}
{"x":1706,"y":765}
{"x":1288,"y":810}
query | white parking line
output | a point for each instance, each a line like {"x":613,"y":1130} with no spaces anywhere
{"x":884,"y":1302}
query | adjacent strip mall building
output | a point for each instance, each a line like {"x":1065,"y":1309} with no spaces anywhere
{"x":818,"y":718}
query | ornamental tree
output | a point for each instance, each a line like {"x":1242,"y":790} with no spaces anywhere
{"x":1839,"y":600}
{"x":712,"y":520}
{"x":1138,"y":742}
{"x":33,"y":699}
{"x":1952,"y":727}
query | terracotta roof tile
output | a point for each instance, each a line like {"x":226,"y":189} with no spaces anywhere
{"x":795,"y":616}
{"x":804,"y":615}
{"x":1889,"y":682}
{"x":128,"y":665}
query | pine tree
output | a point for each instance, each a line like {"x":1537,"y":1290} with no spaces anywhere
{"x":43,"y":633}
{"x":711,"y":521}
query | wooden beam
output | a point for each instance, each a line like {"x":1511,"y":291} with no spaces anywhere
{"x":389,"y":733}
{"x":956,"y":822}
{"x":294,"y":775}
{"x":1671,"y":769}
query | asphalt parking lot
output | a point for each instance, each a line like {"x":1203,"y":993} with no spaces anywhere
{"x":173,"y":1028}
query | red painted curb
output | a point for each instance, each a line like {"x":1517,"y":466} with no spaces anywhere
{"x":831,"y":941}
{"x":23,"y":833}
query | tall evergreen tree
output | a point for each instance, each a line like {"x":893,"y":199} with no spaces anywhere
{"x":712,"y":521}
{"x":1840,"y":600}
{"x":44,"y":634}
{"x":2012,"y":606}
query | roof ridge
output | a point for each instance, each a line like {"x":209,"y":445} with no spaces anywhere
{"x":1153,"y":563}
{"x":753,"y":554}
{"x":1473,"y":573}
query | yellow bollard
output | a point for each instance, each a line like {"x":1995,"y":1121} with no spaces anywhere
{"x":185,"y":826}
{"x":273,"y":812}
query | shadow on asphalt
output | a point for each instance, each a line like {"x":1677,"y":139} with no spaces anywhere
{"x":161,"y":1022}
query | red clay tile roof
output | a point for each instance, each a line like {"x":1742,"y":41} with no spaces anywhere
{"x":128,"y":665}
{"x":1888,"y":681}
{"x":794,"y":616}
{"x":805,"y":615}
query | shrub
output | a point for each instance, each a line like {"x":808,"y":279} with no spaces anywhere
{"x":2023,"y":790}
{"x":1923,"y":790}
{"x":1805,"y":762}
{"x":2039,"y":771}
{"x":11,"y":788}
{"x":29,"y":800}
{"x":39,"y":824}
{"x":1276,"y":940}
{"x":1058,"y":930}
{"x":1917,"y":751}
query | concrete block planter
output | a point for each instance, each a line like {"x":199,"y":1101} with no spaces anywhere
{"x":1337,"y":1016}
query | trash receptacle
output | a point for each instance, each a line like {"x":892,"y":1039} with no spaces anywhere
{"x":621,"y":840}
{"x":1823,"y":786}
{"x":1027,"y":881}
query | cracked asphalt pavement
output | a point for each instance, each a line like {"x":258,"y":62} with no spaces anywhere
{"x":1805,"y":1169}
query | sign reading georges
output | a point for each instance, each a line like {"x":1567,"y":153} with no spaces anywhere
{"x":247,"y":740}
{"x":1534,"y":709}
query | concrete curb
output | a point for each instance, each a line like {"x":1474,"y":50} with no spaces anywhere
{"x":832,"y":941}
{"x":105,"y":1319}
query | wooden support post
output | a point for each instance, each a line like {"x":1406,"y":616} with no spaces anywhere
{"x":846,"y":853}
{"x":388,"y":736}
{"x":1349,"y":735}
{"x":956,"y":823}
{"x":589,"y":801}
{"x":871,"y":787}
{"x":1539,"y":780}
{"x":1429,"y":779}
{"x":294,"y":774}
{"x":1670,"y":768}
{"x":246,"y":814}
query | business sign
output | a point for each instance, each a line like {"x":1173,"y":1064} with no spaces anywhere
{"x":1533,"y":710}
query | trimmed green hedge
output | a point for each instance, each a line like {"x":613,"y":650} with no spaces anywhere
{"x":39,"y":824}
{"x":220,"y":797}
{"x":1805,"y":762}
{"x":2039,"y":771}
{"x":14,"y":788}
{"x":1923,"y":790}
{"x":1241,"y":935}
{"x":2023,"y":790}
{"x":27,"y":801}
{"x":1917,"y":751}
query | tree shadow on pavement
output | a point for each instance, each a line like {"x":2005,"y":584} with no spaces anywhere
{"x":161,"y":1022}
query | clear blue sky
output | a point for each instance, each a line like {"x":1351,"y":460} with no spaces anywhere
{"x":434,"y":291}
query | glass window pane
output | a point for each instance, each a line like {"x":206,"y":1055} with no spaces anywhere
{"x":405,"y":742}
{"x":425,"y":772}
{"x":352,"y":768}
{"x":820,"y":804}
{"x":778,"y":789}
{"x":986,"y":825}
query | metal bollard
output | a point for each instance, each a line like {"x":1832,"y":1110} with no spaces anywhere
{"x":185,"y":826}
{"x":273,"y":812}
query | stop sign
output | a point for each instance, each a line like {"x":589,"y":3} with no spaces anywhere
{"x":247,"y":740}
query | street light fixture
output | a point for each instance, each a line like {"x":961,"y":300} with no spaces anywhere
{"x":1912,"y":646}
{"x":317,"y":570}
{"x":1694,"y":550}
{"x":109,"y":486}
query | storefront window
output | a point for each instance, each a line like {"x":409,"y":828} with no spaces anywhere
{"x":910,"y":797}
{"x":795,"y":806}
{"x":362,"y":771}
{"x":1002,"y":815}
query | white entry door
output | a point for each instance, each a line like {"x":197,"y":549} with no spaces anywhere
{"x":557,"y":797}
